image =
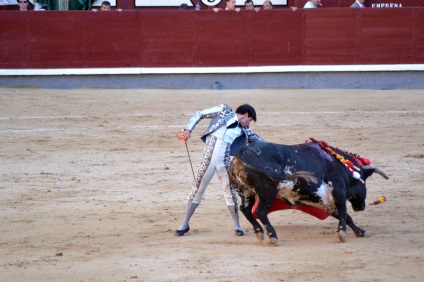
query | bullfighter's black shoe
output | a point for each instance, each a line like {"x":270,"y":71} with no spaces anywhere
{"x":239,"y":232}
{"x":182,"y":232}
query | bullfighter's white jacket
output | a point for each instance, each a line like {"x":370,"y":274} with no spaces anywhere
{"x":220,"y":116}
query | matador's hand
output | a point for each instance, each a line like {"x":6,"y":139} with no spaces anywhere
{"x":184,"y":135}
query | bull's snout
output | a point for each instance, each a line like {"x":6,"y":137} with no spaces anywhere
{"x":358,"y":204}
{"x":358,"y":207}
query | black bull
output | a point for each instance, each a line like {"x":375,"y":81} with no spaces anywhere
{"x":301,"y":175}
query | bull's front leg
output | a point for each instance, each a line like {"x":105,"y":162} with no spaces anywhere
{"x":341,"y":230}
{"x":262,"y":213}
{"x":340,"y":201}
{"x":246,"y":206}
{"x":358,"y":231}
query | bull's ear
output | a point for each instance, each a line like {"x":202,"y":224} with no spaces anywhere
{"x":368,"y":170}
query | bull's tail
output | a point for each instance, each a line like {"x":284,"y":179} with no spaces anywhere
{"x":305,"y":175}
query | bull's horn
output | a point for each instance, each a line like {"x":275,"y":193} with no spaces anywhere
{"x":376,"y":170}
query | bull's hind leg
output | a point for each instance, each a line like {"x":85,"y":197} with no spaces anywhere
{"x":262,"y":213}
{"x":246,"y":208}
{"x":358,"y":231}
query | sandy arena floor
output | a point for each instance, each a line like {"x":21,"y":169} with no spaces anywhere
{"x":94,"y":183}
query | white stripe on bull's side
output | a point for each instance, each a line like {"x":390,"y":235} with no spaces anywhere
{"x":285,"y":190}
{"x":324,"y":192}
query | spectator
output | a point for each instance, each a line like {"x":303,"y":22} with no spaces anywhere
{"x":267,"y":5}
{"x":249,"y":5}
{"x":23,"y":5}
{"x":358,"y":4}
{"x":230,"y":6}
{"x":105,"y":6}
{"x":312,"y":4}
{"x":183,"y":6}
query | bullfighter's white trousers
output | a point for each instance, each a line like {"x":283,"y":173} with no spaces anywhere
{"x":216,"y":158}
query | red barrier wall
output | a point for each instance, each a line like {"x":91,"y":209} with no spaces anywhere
{"x":131,"y":4}
{"x":157,"y":38}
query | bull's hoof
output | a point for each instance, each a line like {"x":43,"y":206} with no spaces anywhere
{"x":260,"y":236}
{"x":341,"y":235}
{"x":362,"y":234}
{"x":273,"y":241}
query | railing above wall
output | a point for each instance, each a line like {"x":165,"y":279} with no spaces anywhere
{"x":333,"y":36}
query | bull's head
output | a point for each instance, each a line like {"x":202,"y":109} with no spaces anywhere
{"x":358,"y":199}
